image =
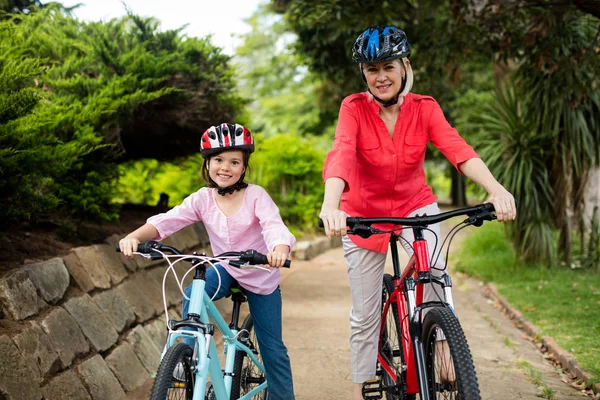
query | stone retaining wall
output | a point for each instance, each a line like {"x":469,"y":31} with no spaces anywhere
{"x":91,"y":324}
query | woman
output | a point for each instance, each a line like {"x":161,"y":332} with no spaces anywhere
{"x":376,"y":169}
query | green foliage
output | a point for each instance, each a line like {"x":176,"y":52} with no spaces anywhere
{"x":75,"y":96}
{"x":516,"y":153}
{"x":289,"y":167}
{"x":283,"y":93}
{"x":556,"y":300}
{"x":142,"y":181}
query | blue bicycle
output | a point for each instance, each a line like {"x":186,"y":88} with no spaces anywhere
{"x":190,"y":354}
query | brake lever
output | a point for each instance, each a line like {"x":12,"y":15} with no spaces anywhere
{"x":477,"y":220}
{"x":364,"y":231}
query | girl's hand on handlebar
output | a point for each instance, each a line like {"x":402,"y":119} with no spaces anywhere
{"x":334,"y":222}
{"x":504,"y":203}
{"x":128,"y":246}
{"x":278,"y":256}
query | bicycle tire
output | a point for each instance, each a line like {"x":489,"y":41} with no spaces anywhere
{"x":464,"y":386}
{"x":173,"y":382}
{"x":246,"y":375}
{"x":391,"y":347}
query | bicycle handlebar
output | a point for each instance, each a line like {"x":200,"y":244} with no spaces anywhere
{"x":479,"y":212}
{"x":252,"y":257}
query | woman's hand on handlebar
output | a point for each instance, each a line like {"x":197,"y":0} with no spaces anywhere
{"x":504,"y":204}
{"x":278,"y":256}
{"x":128,"y":246}
{"x":334,"y":221}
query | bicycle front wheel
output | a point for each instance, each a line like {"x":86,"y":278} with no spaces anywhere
{"x":450,"y":369}
{"x":246,"y":374}
{"x":174,"y":379}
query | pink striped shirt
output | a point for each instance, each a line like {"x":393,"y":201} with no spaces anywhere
{"x":257,"y":225}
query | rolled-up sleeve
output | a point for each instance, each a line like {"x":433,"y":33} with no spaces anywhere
{"x":274,"y":230}
{"x":447,"y":139}
{"x":341,"y":160}
{"x":188,"y":212}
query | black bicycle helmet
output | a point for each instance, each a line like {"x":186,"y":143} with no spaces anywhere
{"x":380,"y":43}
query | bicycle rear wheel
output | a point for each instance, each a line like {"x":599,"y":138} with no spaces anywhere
{"x":391,"y":350}
{"x":450,"y":369}
{"x":246,"y":375}
{"x":174,"y":379}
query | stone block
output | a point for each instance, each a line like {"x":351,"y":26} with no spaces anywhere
{"x":187,"y":238}
{"x":93,"y":322}
{"x":145,"y":349}
{"x":17,"y":378}
{"x":303,"y":251}
{"x":66,"y":386}
{"x":79,"y":274}
{"x":18,"y":296}
{"x":51,"y":278}
{"x":157,"y":330}
{"x":173,"y":294}
{"x":140,"y":297}
{"x":97,"y":262}
{"x":65,"y":334}
{"x":37,"y":349}
{"x":99,"y":379}
{"x":118,"y":311}
{"x":113,"y":242}
{"x":321,"y":245}
{"x":336,"y":241}
{"x":127,"y":367}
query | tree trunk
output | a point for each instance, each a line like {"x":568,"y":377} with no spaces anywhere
{"x":458,"y":191}
{"x":592,"y":196}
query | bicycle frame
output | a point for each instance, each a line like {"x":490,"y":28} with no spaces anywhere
{"x":408,"y":297}
{"x":205,"y":350}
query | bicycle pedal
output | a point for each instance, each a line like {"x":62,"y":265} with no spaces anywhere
{"x":372,"y":390}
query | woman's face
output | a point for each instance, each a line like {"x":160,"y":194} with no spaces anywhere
{"x":384,"y":78}
{"x":226,"y":168}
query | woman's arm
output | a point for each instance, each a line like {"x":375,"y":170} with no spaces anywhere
{"x":130,"y":242}
{"x":503,"y":200}
{"x":334,"y":219}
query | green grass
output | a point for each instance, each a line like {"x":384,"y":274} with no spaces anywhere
{"x":563,"y":303}
{"x":537,"y":379}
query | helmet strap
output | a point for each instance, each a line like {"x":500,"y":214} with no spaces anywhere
{"x":239,"y":185}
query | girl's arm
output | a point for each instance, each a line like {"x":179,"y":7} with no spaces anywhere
{"x":130,"y":242}
{"x":334,"y":219}
{"x":277,"y":236}
{"x":503,"y":200}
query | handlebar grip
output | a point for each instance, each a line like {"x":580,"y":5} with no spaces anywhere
{"x":144,"y":247}
{"x":254,"y":257}
{"x":350,"y":221}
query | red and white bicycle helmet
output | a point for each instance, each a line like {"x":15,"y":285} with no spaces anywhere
{"x":226,"y":137}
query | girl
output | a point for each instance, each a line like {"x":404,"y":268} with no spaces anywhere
{"x":237,"y":217}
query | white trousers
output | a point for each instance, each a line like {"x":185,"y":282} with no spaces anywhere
{"x":365,"y":270}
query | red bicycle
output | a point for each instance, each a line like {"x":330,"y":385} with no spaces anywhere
{"x":429,"y":354}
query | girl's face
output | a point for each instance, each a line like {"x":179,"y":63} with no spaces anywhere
{"x":384,"y":78}
{"x":226,"y":168}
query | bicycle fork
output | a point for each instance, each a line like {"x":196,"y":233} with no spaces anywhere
{"x":418,"y":375}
